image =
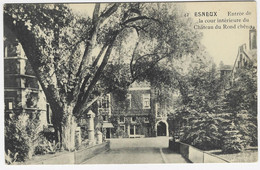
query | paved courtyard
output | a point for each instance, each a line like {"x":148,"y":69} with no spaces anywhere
{"x":137,"y":151}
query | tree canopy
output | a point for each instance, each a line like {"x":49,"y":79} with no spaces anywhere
{"x":74,"y":56}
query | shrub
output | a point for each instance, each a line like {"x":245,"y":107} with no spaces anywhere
{"x":40,"y":150}
{"x":45,"y":146}
{"x":233,"y":140}
{"x":247,"y":125}
{"x":120,"y":133}
{"x":201,"y":131}
{"x":10,"y":158}
{"x":237,"y":130}
{"x":227,"y":131}
{"x":21,"y":135}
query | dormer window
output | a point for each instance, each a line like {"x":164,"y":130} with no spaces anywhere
{"x":133,"y":119}
{"x":146,"y":101}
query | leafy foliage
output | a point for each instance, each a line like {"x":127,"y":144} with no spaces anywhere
{"x":233,"y":141}
{"x":201,"y":98}
{"x":204,"y":92}
{"x":201,"y":130}
{"x":217,"y":117}
{"x":21,"y":135}
{"x":241,"y":99}
{"x":76,"y":59}
{"x":44,"y":146}
{"x":120,"y":133}
{"x":243,"y":93}
{"x":246,"y":124}
{"x":10,"y":158}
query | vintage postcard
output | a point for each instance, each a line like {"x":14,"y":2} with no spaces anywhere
{"x":130,"y":83}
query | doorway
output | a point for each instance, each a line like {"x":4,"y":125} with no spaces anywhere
{"x":108,"y":133}
{"x":161,"y":129}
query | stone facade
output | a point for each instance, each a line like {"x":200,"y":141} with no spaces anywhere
{"x":139,"y":115}
{"x":246,"y":56}
{"x":22,"y":91}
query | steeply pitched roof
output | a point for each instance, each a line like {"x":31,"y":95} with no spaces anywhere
{"x":226,"y":67}
{"x":252,"y":55}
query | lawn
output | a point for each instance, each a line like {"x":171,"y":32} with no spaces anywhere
{"x":249,"y":155}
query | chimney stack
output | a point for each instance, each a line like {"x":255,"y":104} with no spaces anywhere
{"x":252,"y":39}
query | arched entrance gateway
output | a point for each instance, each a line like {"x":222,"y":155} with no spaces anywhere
{"x":162,"y":128}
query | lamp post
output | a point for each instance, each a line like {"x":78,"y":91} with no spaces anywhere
{"x":91,"y":134}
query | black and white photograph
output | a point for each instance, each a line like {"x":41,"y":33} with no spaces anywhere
{"x":95,"y":83}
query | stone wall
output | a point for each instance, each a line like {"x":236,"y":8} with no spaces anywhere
{"x":195,"y":155}
{"x":76,"y":157}
{"x":85,"y":154}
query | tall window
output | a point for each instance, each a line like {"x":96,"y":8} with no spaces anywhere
{"x":9,"y":104}
{"x":105,"y":118}
{"x":128,"y":101}
{"x":10,"y":49}
{"x":48,"y":114}
{"x":104,"y":106}
{"x":146,"y":101}
{"x":5,"y":51}
{"x":104,"y":102}
{"x":132,"y":130}
{"x":122,"y":119}
{"x":122,"y":127}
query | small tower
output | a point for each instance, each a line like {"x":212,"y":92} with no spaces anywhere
{"x":252,"y":39}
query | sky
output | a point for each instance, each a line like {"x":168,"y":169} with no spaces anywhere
{"x":222,"y":45}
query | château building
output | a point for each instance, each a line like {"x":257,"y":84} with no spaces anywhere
{"x":22,"y":91}
{"x":138,"y":115}
{"x":246,"y":56}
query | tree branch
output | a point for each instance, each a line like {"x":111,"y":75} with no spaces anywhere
{"x":140,"y":18}
{"x":99,"y":55}
{"x":98,"y":73}
{"x":86,"y":79}
{"x":85,"y":107}
{"x":132,"y":59}
{"x":93,"y":34}
{"x":95,"y":14}
{"x":151,"y":65}
{"x":109,"y":12}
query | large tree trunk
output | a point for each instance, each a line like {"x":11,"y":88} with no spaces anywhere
{"x":65,"y":126}
{"x":68,"y":130}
